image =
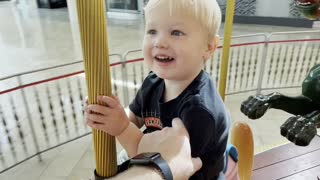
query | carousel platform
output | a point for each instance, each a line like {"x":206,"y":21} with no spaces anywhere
{"x":289,"y":162}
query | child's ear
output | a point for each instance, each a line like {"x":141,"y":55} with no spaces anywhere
{"x":212,"y":46}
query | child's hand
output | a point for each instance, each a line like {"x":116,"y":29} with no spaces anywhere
{"x":109,"y":117}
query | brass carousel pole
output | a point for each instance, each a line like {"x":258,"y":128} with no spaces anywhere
{"x":241,"y":134}
{"x":92,"y":23}
{"x":226,"y":47}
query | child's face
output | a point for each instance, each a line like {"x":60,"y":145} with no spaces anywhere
{"x":175,"y":45}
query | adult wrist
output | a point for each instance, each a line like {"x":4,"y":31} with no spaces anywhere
{"x":147,"y":172}
{"x":154,"y":160}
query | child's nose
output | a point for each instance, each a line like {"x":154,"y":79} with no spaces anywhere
{"x":161,"y":42}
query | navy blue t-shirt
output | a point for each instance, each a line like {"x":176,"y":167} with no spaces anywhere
{"x":202,"y":111}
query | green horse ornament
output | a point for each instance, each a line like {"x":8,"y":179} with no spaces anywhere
{"x":302,"y":127}
{"x":309,"y":8}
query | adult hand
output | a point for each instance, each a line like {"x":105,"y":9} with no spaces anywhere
{"x":174,"y":146}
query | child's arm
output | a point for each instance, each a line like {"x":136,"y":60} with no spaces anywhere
{"x":130,"y":139}
{"x":138,"y":121}
{"x":131,"y":136}
{"x":112,"y":119}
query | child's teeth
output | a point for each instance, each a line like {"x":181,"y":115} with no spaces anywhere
{"x":162,"y":57}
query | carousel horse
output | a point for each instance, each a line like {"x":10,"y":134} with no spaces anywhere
{"x":301,"y":128}
{"x":309,"y":8}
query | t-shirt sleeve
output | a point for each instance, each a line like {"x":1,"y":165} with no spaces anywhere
{"x":143,"y":93}
{"x":200,"y":125}
{"x":135,"y":105}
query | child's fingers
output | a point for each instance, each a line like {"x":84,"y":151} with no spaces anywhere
{"x":95,"y":125}
{"x":110,"y":102}
{"x":98,"y":109}
{"x":116,"y":98}
{"x":86,"y":103}
{"x":87,"y":110}
{"x":96,"y":118}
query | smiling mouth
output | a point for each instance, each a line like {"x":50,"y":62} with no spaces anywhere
{"x":164,"y":58}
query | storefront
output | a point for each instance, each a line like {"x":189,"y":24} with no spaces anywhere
{"x":133,"y":6}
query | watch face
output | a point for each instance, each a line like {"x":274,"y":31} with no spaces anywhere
{"x":155,"y":160}
{"x":149,"y":155}
{"x":144,"y":158}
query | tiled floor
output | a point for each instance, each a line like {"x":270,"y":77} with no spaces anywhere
{"x":33,"y":38}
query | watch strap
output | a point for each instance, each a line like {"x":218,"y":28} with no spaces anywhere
{"x":124,"y":166}
{"x":163,"y":167}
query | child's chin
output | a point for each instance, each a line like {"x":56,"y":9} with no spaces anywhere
{"x":162,"y":75}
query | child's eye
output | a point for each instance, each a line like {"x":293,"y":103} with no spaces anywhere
{"x":152,"y":32}
{"x":177,"y":33}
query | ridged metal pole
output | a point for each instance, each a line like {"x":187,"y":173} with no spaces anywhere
{"x":92,"y":23}
{"x":241,"y":134}
{"x":226,"y":47}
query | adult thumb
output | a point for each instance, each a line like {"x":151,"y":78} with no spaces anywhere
{"x":177,"y":123}
{"x":197,"y":164}
{"x":178,"y":126}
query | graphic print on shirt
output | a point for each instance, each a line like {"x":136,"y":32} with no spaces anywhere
{"x":152,"y":119}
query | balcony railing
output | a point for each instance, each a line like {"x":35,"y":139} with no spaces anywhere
{"x":43,"y":109}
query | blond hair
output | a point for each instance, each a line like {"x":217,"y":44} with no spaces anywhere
{"x":207,"y":12}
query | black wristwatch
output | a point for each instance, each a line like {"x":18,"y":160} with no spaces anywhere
{"x":154,"y":160}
